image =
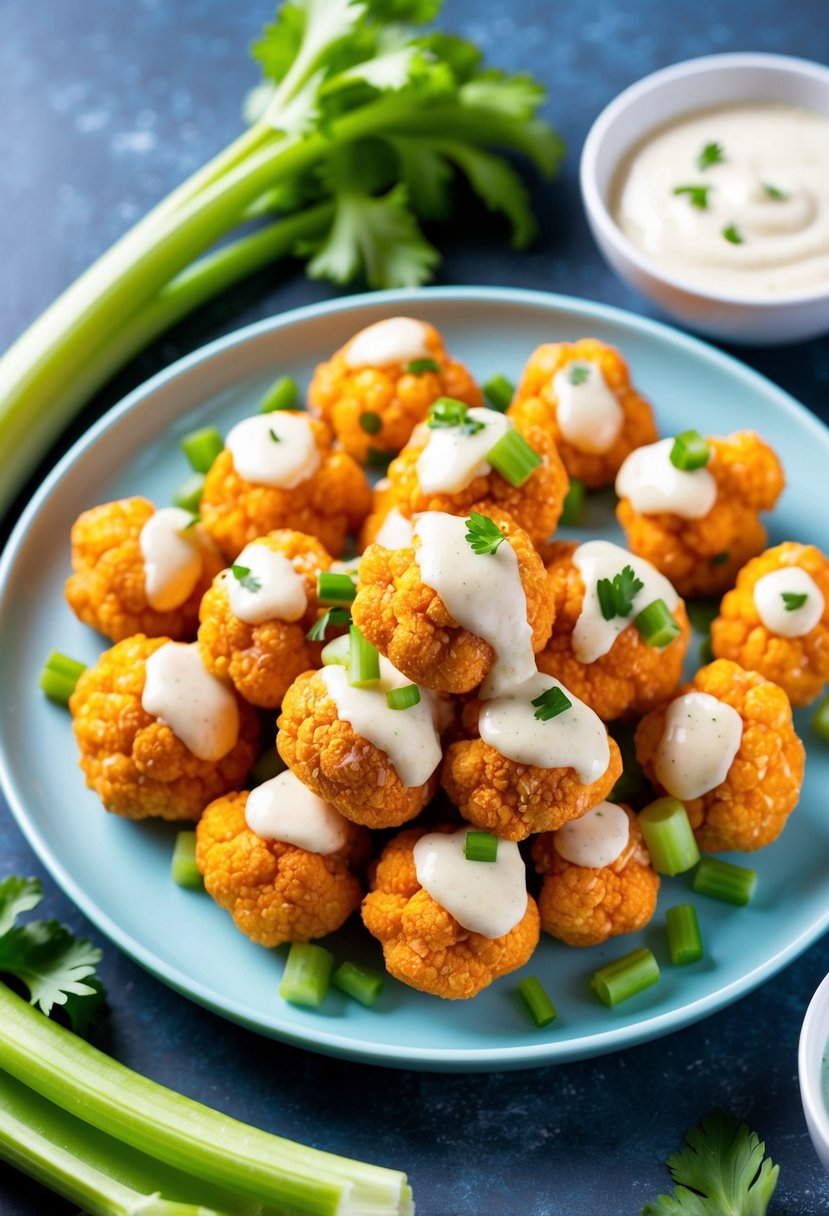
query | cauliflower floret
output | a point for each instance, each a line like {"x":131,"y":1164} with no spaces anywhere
{"x":133,"y":761}
{"x":375,"y":409}
{"x":536,"y":404}
{"x":329,"y":504}
{"x":800,"y":665}
{"x":107,"y":589}
{"x":633,"y":676}
{"x":423,"y":944}
{"x":275,"y":892}
{"x":703,"y":556}
{"x":749,"y":809}
{"x":585,"y":905}
{"x":409,"y":623}
{"x":263,"y":660}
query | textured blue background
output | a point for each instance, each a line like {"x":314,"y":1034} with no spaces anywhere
{"x":106,"y":105}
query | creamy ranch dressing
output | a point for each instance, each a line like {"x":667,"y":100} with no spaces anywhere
{"x":483,"y":592}
{"x":283,"y":462}
{"x":284,"y":809}
{"x":771,"y":607}
{"x":395,"y":532}
{"x":654,"y":485}
{"x":588,"y":411}
{"x":596,"y":839}
{"x":593,"y":636}
{"x":395,"y":340}
{"x":771,"y":186}
{"x":701,"y":737}
{"x":576,"y":738}
{"x":408,"y":736}
{"x":171,"y":548}
{"x":199,"y":709}
{"x":452,"y":458}
{"x":281,"y":594}
{"x":486,"y":897}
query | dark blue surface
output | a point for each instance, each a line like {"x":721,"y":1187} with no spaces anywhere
{"x":106,"y":105}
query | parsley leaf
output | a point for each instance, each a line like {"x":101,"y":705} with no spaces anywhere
{"x":419,"y":367}
{"x":550,"y":704}
{"x":243,"y":575}
{"x":697,"y":195}
{"x":794,"y":599}
{"x":447,"y":412}
{"x":579,"y":373}
{"x":732,"y":234}
{"x":616,"y":595}
{"x":483,"y":534}
{"x":334,"y":616}
{"x":773,"y":192}
{"x":711,"y":154}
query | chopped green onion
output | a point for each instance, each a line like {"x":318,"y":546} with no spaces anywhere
{"x":448,"y":411}
{"x":656,"y":625}
{"x":307,"y":975}
{"x":202,"y":447}
{"x":334,"y":616}
{"x":282,"y":395}
{"x":720,"y":559}
{"x":668,"y":835}
{"x":403,"y":698}
{"x":335,"y":589}
{"x":690,"y":451}
{"x":552,"y":702}
{"x":59,"y":676}
{"x":270,"y":764}
{"x":625,"y":978}
{"x":574,"y":500}
{"x":513,"y":458}
{"x":684,"y":938}
{"x":363,"y":660}
{"x":361,"y":983}
{"x":480,"y":846}
{"x":820,"y":720}
{"x":335,"y":652}
{"x":184,"y":870}
{"x":540,"y":1007}
{"x":370,"y":422}
{"x":499,"y":392}
{"x":722,"y":880}
{"x":188,"y":495}
{"x":418,"y":367}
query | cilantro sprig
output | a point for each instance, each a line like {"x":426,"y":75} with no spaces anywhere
{"x":794,"y":599}
{"x":482,"y":534}
{"x":243,"y":576}
{"x":579,"y":373}
{"x":616,"y":595}
{"x":711,"y":154}
{"x":697,"y":195}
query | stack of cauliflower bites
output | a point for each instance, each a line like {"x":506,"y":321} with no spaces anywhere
{"x":469,"y":653}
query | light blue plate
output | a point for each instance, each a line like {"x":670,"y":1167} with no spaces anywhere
{"x":118,"y":872}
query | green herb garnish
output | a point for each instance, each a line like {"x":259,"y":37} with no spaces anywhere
{"x":244,"y":577}
{"x":578,"y":373}
{"x":370,"y":422}
{"x":711,"y":154}
{"x":418,"y":367}
{"x":334,"y":616}
{"x":720,"y":559}
{"x":772,"y":191}
{"x":274,"y":435}
{"x":732,"y":234}
{"x":794,"y":599}
{"x":690,"y":451}
{"x":483,"y":535}
{"x":552,"y":702}
{"x":697,"y":195}
{"x":447,"y":412}
{"x":616,"y":595}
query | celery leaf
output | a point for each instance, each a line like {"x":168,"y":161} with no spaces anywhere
{"x":426,"y":175}
{"x":377,"y":237}
{"x":517,"y":96}
{"x":17,"y":895}
{"x":498,"y":185}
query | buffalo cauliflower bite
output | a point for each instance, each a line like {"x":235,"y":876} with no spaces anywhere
{"x":584,"y":905}
{"x":702,"y":556}
{"x":424,"y":946}
{"x":537,"y":403}
{"x":262,"y":659}
{"x":133,"y":761}
{"x":409,"y":623}
{"x":373,"y":399}
{"x":749,"y":809}
{"x":797,"y":660}
{"x":275,"y":892}
{"x":108,"y":589}
{"x":631,"y":677}
{"x":328,"y":504}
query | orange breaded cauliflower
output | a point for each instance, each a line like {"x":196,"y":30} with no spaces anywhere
{"x":633,"y":676}
{"x":263,"y":660}
{"x":376,"y":408}
{"x":585,"y":905}
{"x":703,"y":556}
{"x":133,"y":761}
{"x":749,"y":809}
{"x":275,"y":892}
{"x":536,"y":404}
{"x":410,"y":624}
{"x":423,"y":945}
{"x":329,"y":504}
{"x":107,"y":589}
{"x":800,"y":665}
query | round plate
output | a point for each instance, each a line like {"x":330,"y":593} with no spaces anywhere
{"x":117,"y":872}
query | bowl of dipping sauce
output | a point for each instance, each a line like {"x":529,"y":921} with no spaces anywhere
{"x":813,"y":1070}
{"x":706,"y":187}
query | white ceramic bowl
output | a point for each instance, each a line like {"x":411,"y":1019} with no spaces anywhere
{"x":813,"y":1044}
{"x":695,"y":85}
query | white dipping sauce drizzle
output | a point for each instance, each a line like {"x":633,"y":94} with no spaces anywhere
{"x":453,"y":458}
{"x":281,"y":594}
{"x":771,"y":607}
{"x":483,"y":592}
{"x":284,"y":809}
{"x":700,"y":739}
{"x":588,"y":411}
{"x":395,"y":532}
{"x":172,"y":551}
{"x":654,"y":485}
{"x":576,"y":738}
{"x":199,"y":709}
{"x":596,"y":839}
{"x":407,"y":736}
{"x":283,"y":462}
{"x":395,"y":340}
{"x":486,"y":897}
{"x":593,"y":636}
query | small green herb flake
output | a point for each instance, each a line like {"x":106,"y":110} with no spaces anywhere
{"x":334,"y":616}
{"x":274,"y":435}
{"x":483,"y":535}
{"x":720,"y":559}
{"x":244,"y":577}
{"x":711,"y":154}
{"x":447,"y":412}
{"x":579,"y":373}
{"x":616,"y":595}
{"x":773,"y":192}
{"x":550,"y":704}
{"x":697,"y":195}
{"x":732,"y":235}
{"x":480,"y":846}
{"x":794,"y":599}
{"x":371,"y":423}
{"x":418,"y":367}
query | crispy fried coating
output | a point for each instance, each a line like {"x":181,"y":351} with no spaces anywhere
{"x":749,"y":809}
{"x":423,"y":944}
